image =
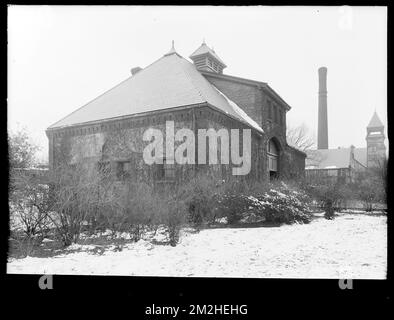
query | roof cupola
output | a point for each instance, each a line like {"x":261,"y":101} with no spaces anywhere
{"x":206,"y":59}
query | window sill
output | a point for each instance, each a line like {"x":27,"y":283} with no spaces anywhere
{"x":165,"y":181}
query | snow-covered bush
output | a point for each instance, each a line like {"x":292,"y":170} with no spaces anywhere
{"x":284,"y":204}
{"x":280,"y":203}
{"x":233,"y":207}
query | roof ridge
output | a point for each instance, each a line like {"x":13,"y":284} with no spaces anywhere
{"x":192,"y":82}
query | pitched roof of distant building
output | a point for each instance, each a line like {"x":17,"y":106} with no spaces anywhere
{"x":328,"y":158}
{"x":375,"y":121}
{"x":169,"y":82}
{"x":334,"y":158}
{"x":204,"y":49}
{"x":360,"y":154}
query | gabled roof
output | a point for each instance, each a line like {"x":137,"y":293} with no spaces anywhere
{"x":204,"y":49}
{"x":334,"y":158}
{"x":375,"y":121}
{"x":169,"y":82}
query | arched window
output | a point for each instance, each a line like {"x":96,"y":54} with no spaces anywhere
{"x":273,"y":158}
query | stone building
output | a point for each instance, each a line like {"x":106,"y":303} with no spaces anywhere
{"x":343,"y":164}
{"x":108,"y":131}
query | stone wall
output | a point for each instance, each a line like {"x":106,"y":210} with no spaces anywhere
{"x":293,"y":163}
{"x":121,"y":142}
{"x":213,"y":119}
{"x":256,"y":102}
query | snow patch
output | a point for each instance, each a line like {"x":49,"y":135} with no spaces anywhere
{"x":352,"y":246}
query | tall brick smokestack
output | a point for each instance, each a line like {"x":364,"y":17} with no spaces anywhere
{"x":322,"y":126}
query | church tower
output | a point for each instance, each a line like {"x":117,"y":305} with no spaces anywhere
{"x":206,"y":59}
{"x":376,"y":149}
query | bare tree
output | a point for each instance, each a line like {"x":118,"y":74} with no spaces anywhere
{"x":22,"y":151}
{"x":28,"y":198}
{"x":300,"y":138}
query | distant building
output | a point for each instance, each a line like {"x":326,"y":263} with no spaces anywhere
{"x":108,"y":131}
{"x":376,"y":150}
{"x":338,"y":165}
{"x":343,"y":164}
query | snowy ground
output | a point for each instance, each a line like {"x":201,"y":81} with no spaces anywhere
{"x":351,"y":246}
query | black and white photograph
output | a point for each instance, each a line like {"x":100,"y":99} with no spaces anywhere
{"x":198,"y":141}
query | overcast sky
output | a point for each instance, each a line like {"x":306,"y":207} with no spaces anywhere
{"x":61,"y":57}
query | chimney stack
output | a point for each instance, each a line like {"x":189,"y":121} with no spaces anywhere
{"x":322,"y":126}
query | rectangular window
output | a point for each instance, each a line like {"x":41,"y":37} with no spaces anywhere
{"x":280,"y":118}
{"x":332,"y":173}
{"x":122,"y":169}
{"x":269,"y":110}
{"x":275,"y":110}
{"x":169,"y":171}
{"x":159,"y":171}
{"x":164,"y":171}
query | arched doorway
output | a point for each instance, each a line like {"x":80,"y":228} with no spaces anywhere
{"x":273,"y":158}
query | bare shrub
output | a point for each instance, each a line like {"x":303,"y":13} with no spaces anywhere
{"x":370,"y":189}
{"x":29,"y":204}
{"x":199,"y":197}
{"x":76,"y":195}
{"x":175,"y":218}
{"x":328,"y":194}
{"x":142,"y":208}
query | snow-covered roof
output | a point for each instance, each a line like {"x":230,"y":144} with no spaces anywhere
{"x":334,"y":158}
{"x":326,"y":158}
{"x":169,"y":82}
{"x":241,"y":113}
